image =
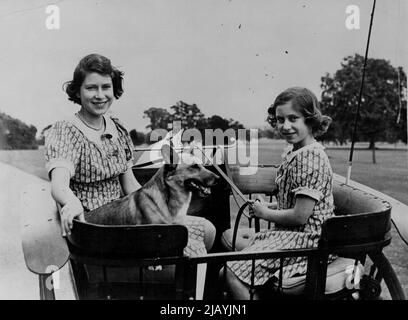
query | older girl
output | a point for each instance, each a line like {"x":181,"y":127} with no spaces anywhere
{"x":89,"y":156}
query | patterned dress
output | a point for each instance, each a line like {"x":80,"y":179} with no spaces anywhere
{"x":95,"y":162}
{"x":306,"y":171}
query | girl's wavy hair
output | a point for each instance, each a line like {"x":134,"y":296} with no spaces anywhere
{"x":93,"y":63}
{"x":305,"y":102}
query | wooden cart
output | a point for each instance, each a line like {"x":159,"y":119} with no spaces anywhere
{"x":114,"y":262}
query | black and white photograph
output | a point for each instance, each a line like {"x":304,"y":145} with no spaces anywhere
{"x":207,"y":150}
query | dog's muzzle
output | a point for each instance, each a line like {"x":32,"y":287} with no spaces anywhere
{"x":203,"y":186}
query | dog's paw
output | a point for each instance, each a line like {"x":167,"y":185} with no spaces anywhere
{"x":155,"y":268}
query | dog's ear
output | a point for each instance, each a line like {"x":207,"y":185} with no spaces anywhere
{"x":170,"y":157}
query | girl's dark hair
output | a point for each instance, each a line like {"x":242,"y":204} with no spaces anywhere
{"x":305,"y":102}
{"x":93,"y":63}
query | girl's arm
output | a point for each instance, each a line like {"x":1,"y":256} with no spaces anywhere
{"x":128,"y":182}
{"x":296,"y":216}
{"x":62,"y":194}
{"x":271,"y":205}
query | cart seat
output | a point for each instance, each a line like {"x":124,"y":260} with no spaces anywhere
{"x":105,"y":260}
{"x":336,"y":276}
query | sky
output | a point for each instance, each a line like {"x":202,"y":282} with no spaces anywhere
{"x":230,"y":57}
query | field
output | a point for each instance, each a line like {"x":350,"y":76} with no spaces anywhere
{"x":389,"y":175}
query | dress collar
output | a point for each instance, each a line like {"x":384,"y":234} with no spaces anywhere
{"x":111,"y":132}
{"x":289,"y":154}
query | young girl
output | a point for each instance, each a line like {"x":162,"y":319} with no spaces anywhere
{"x":304,"y":192}
{"x":89,"y":156}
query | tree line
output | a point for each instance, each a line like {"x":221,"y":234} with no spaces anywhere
{"x":189,"y":117}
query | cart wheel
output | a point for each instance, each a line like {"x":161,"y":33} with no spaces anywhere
{"x":382,"y":282}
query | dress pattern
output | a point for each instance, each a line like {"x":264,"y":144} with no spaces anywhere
{"x":195,"y":246}
{"x":306,"y":171}
{"x":95,"y":162}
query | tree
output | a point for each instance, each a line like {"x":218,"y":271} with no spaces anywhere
{"x":215,"y":122}
{"x":15,"y":134}
{"x":383,"y":104}
{"x":4,"y":132}
{"x":235,"y":124}
{"x":138,"y":138}
{"x":189,"y":115}
{"x":159,"y":118}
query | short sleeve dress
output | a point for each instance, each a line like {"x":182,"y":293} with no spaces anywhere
{"x":306,"y":171}
{"x":95,"y":163}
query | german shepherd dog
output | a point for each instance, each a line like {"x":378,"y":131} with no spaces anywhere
{"x":164,"y":199}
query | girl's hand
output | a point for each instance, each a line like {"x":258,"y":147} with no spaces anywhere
{"x":270,"y":205}
{"x":258,"y":207}
{"x":72,"y":209}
